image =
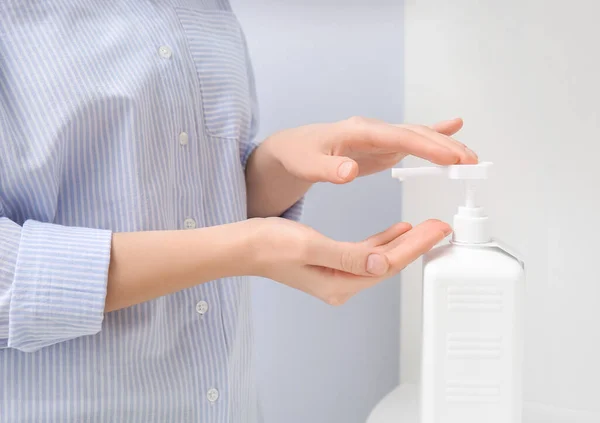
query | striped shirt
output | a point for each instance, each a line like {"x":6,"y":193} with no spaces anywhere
{"x":120,"y":115}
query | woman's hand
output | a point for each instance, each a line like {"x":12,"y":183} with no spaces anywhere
{"x":302,"y":258}
{"x":287,"y":163}
{"x":339,"y":152}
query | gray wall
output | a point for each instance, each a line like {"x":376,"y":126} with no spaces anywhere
{"x":317,"y":61}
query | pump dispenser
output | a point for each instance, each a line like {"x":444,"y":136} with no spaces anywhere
{"x":470,"y":222}
{"x":472,"y":333}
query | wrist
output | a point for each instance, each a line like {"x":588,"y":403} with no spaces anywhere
{"x":251,"y":253}
{"x":271,"y":189}
{"x":266,"y":158}
{"x":235,"y":248}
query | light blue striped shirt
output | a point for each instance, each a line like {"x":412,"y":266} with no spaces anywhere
{"x":120,"y":115}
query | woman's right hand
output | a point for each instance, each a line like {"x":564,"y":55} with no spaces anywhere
{"x":302,"y":258}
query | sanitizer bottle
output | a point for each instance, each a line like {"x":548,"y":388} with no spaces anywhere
{"x":472,"y":335}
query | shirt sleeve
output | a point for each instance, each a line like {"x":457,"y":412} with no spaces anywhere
{"x":295,"y":211}
{"x":52,"y":283}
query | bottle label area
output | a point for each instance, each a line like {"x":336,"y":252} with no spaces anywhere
{"x":471,"y":363}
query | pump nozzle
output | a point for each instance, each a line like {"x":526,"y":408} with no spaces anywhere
{"x":476,"y":171}
{"x":470,"y":223}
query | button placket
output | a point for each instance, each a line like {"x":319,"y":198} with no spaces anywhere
{"x":166,"y":52}
{"x":187,"y":136}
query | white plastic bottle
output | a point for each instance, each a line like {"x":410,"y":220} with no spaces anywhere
{"x":472,"y":342}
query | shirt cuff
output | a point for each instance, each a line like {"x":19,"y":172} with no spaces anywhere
{"x":248,"y":152}
{"x":59,"y":286}
{"x":10,"y":234}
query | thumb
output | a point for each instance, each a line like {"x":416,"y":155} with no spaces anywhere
{"x":334,"y":169}
{"x":348,"y":257}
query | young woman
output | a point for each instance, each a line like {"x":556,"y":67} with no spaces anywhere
{"x":135,"y":202}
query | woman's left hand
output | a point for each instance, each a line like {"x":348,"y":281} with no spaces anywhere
{"x":339,"y":152}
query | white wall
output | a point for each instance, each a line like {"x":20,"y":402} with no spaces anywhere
{"x":525,"y":75}
{"x":320,"y":61}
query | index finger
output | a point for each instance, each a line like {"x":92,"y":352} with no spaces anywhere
{"x":466,"y":155}
{"x":398,"y":139}
{"x":416,"y":242}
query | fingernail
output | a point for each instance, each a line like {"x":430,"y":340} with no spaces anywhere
{"x":377,"y":264}
{"x":448,"y":231}
{"x":472,"y":153}
{"x":345,"y":169}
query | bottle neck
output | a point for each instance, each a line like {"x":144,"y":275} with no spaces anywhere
{"x":471,"y":226}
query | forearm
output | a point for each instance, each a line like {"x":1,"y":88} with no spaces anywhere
{"x":148,"y":265}
{"x":271,"y":189}
{"x":57,"y":282}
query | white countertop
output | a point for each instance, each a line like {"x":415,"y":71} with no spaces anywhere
{"x":400,"y":405}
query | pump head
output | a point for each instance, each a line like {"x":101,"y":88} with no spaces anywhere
{"x":470,"y":222}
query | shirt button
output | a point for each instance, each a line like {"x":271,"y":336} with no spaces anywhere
{"x":189,"y":223}
{"x":165,"y":52}
{"x":183,"y":138}
{"x":201,"y":307}
{"x":212,"y":395}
